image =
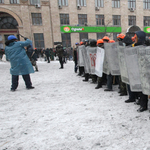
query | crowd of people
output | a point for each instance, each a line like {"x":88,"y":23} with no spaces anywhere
{"x":108,"y":79}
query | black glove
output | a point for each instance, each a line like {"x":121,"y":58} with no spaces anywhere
{"x":25,"y":38}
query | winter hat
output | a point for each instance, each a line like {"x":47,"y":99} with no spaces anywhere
{"x":12,"y":37}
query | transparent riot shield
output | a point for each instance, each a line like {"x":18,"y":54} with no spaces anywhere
{"x":86,"y":60}
{"x":122,"y":64}
{"x":112,"y":57}
{"x":99,"y":61}
{"x":91,"y":53}
{"x":106,"y":69}
{"x":131,"y":58}
{"x":80,"y":56}
{"x":144,"y":67}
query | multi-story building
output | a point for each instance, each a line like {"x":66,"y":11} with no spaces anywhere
{"x":69,"y":21}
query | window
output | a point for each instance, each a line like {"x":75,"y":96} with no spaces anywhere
{"x":82,"y":19}
{"x":132,"y":20}
{"x":81,"y":2}
{"x":116,"y":20}
{"x":36,"y":19}
{"x":116,"y":3}
{"x":39,"y":40}
{"x":100,"y":35}
{"x":131,"y":3}
{"x":146,"y":4}
{"x":99,"y":3}
{"x":64,"y":19}
{"x":99,"y":19}
{"x":146,"y":20}
{"x":34,"y":2}
{"x":66,"y":40}
{"x":83,"y":36}
{"x":63,"y":2}
{"x":7,"y":21}
{"x":1,"y":1}
{"x":14,"y":1}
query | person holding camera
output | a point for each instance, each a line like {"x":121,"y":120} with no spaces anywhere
{"x":20,"y":63}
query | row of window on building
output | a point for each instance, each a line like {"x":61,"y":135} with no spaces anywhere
{"x":82,"y":20}
{"x":32,"y":2}
{"x":98,"y":3}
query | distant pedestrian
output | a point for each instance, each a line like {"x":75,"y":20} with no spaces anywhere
{"x":60,"y":53}
{"x":32,"y":56}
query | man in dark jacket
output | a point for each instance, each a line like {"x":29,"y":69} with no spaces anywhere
{"x":47,"y":53}
{"x":60,"y":52}
{"x":139,"y":40}
{"x":32,"y":56}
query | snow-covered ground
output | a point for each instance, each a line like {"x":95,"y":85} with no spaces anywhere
{"x":65,"y":113}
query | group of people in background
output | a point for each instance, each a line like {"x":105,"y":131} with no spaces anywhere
{"x":107,"y":79}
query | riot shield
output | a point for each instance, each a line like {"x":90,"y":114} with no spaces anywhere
{"x":112,"y":57}
{"x":144,"y":65}
{"x":85,"y":60}
{"x":122,"y":64}
{"x":106,"y":69}
{"x":80,"y":56}
{"x":131,"y":58}
{"x":91,"y":53}
{"x":99,"y":61}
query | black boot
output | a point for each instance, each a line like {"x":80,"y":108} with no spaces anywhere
{"x":141,"y":109}
{"x":99,"y":85}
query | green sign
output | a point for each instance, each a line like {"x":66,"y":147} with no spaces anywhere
{"x":76,"y":29}
{"x":147,"y":29}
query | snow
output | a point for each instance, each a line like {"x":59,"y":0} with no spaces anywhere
{"x":65,"y":113}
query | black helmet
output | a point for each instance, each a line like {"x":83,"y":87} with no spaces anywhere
{"x":93,"y":42}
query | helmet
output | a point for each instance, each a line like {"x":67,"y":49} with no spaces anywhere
{"x":93,"y":42}
{"x":121,"y":36}
{"x":106,"y":38}
{"x":112,"y":41}
{"x":100,"y":41}
{"x":12,"y":37}
{"x":81,"y":43}
{"x":76,"y":43}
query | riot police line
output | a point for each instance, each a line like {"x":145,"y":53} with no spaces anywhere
{"x":130,"y":63}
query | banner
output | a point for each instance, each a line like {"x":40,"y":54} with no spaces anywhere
{"x":122,"y":64}
{"x":99,"y":61}
{"x":131,"y":58}
{"x":111,"y":50}
{"x":91,"y":54}
{"x":144,"y":67}
{"x":80,"y":55}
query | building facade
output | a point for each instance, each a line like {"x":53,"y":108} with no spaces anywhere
{"x":68,"y":21}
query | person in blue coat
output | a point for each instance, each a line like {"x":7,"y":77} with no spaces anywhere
{"x":20,"y":63}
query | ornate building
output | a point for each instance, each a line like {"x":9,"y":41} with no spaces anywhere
{"x":68,"y":21}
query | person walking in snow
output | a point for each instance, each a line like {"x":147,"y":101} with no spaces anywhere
{"x":32,"y":56}
{"x":20,"y":63}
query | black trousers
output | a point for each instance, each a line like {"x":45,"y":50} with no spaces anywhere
{"x":15,"y":79}
{"x":47,"y":56}
{"x":61,"y":62}
{"x":143,"y":100}
{"x":75,"y":67}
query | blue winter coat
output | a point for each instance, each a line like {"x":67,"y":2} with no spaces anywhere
{"x":16,"y":54}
